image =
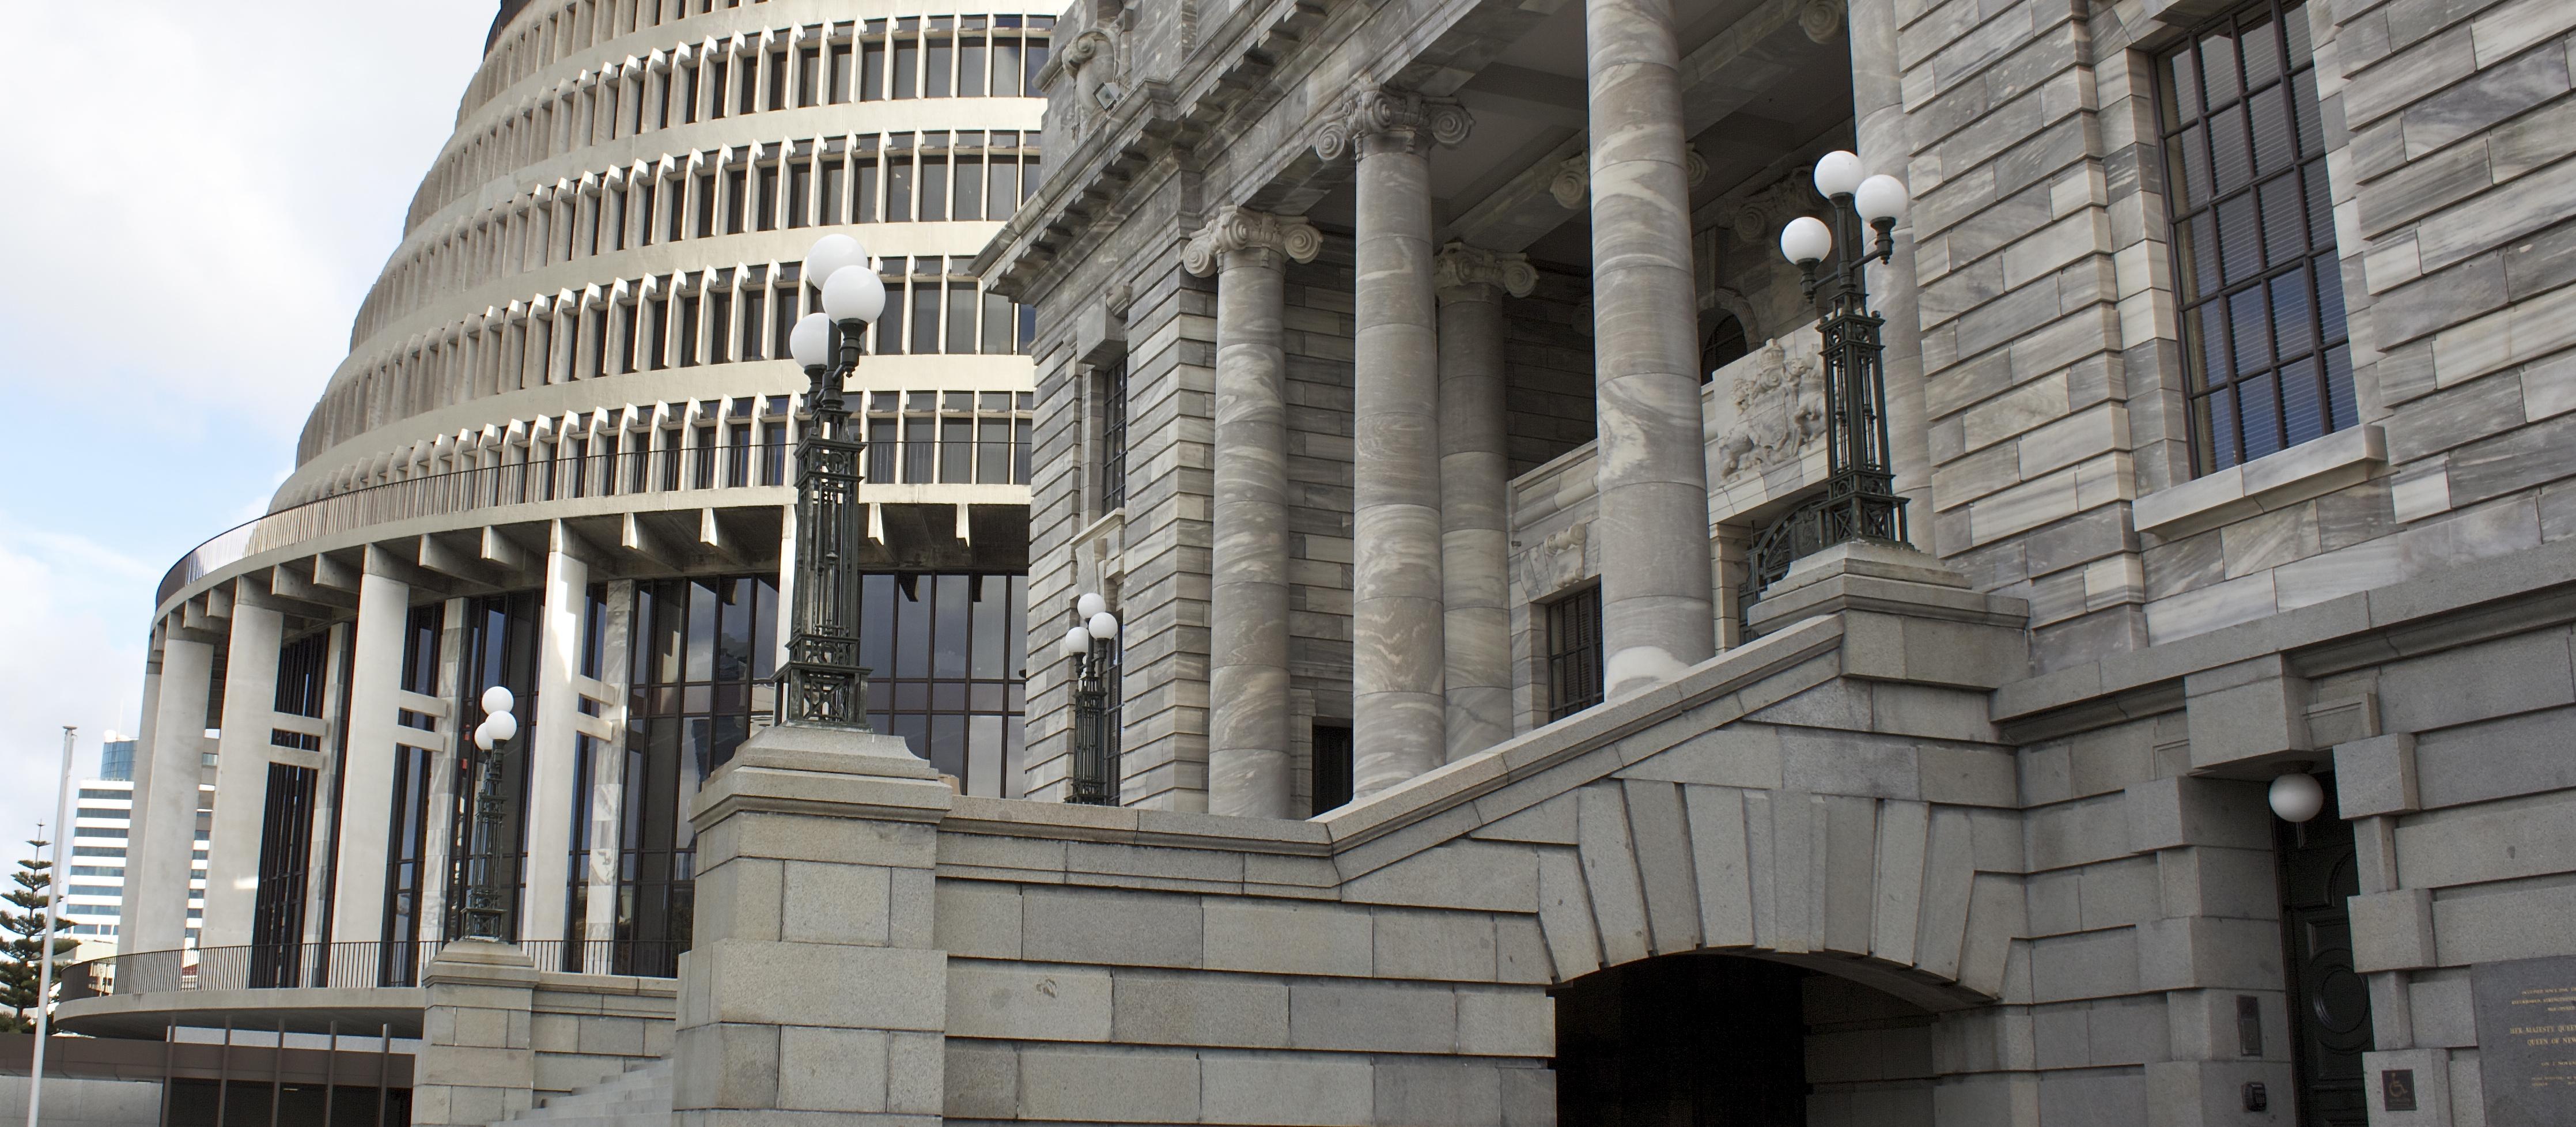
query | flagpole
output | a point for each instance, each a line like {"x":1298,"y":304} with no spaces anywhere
{"x":53,"y":917}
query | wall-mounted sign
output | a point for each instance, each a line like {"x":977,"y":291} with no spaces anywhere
{"x":2527,"y":1040}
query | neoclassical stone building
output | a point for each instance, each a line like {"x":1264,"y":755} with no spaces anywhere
{"x":1416,"y":381}
{"x":1420,"y":386}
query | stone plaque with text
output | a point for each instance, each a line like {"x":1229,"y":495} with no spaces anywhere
{"x":2527,"y":1041}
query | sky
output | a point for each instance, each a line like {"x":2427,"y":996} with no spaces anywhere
{"x":249,"y":164}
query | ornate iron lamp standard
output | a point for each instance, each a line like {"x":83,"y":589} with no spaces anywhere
{"x":821,"y":684}
{"x":484,"y":910}
{"x":1095,"y":758}
{"x":1860,"y":500}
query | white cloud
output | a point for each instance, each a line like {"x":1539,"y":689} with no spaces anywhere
{"x":199,"y":196}
{"x":73,"y":654}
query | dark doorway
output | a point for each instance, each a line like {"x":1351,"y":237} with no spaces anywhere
{"x":2329,"y":1002}
{"x":1697,"y":1040}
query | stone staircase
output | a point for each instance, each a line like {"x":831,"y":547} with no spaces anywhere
{"x":641,"y":1098}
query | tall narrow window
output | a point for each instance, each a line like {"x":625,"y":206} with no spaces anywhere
{"x":971,"y":59}
{"x":934,"y":186}
{"x":716,"y":75}
{"x":1574,"y":653}
{"x":767,"y":207}
{"x":840,"y":73}
{"x":754,"y":304}
{"x":2258,"y":289}
{"x":719,"y":321}
{"x":835,"y":185}
{"x":1331,"y":748}
{"x":907,"y":58}
{"x":1113,"y":438}
{"x":809,"y":64}
{"x":688,"y":331}
{"x":800,"y":193}
{"x":898,"y":205}
{"x":737,"y":186}
{"x":872,"y":71}
{"x":939,"y":48}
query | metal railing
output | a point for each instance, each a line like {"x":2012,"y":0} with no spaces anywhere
{"x":483,"y":487}
{"x":283,"y":966}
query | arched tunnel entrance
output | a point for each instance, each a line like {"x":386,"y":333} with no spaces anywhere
{"x":1712,"y":1040}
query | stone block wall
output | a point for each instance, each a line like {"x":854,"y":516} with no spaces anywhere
{"x":586,"y":1028}
{"x":2051,"y":339}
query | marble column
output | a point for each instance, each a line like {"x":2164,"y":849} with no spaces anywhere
{"x":1475,"y":470}
{"x":1248,"y":756}
{"x":1398,"y":700}
{"x":1656,"y":612}
{"x":1878,"y":111}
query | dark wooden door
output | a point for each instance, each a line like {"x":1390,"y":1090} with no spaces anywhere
{"x":2329,"y":1002}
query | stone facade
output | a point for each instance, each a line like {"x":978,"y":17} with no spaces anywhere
{"x":1990,"y":809}
{"x":2156,"y":625}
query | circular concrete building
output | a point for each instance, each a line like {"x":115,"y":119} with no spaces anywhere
{"x":558,"y":459}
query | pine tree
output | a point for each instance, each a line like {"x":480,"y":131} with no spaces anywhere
{"x":22,"y":954}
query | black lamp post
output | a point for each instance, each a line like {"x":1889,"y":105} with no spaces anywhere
{"x":1095,"y":750}
{"x":822,"y":685}
{"x":484,"y":907}
{"x":1860,"y":500}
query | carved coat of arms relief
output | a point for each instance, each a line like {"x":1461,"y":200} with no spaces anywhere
{"x":1779,"y":399}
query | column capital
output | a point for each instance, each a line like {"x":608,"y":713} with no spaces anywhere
{"x":1235,"y":228}
{"x":1574,"y":175}
{"x":1376,"y":119}
{"x":1459,"y":265}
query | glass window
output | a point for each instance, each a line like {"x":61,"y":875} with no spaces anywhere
{"x":919,"y":450}
{"x":1006,"y":66}
{"x":800,"y":193}
{"x":970,"y":186}
{"x":961,"y":316}
{"x":872,"y":71}
{"x":2260,"y":294}
{"x":1574,"y":653}
{"x":925,"y":317}
{"x":907,"y":63}
{"x":970,"y":64}
{"x":956,"y":450}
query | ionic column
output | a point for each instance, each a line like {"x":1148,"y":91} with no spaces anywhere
{"x":167,"y":769}
{"x":1878,"y":108}
{"x":1248,"y":760}
{"x":1652,"y":475}
{"x":366,"y":790}
{"x":551,"y":742}
{"x":1398,"y":707}
{"x":241,"y":770}
{"x":1475,"y":470}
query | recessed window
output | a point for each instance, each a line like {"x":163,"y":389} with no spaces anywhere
{"x":1574,"y":653}
{"x":2255,"y":277}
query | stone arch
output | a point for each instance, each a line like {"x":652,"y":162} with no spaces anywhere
{"x":1884,"y":893}
{"x":1771,"y":803}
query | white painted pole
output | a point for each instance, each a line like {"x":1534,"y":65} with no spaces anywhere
{"x":53,"y":918}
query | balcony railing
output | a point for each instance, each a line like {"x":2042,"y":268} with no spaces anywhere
{"x":285,"y":966}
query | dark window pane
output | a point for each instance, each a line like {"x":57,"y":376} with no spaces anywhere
{"x":2275,"y":147}
{"x":2285,"y":227}
{"x":2230,"y":161}
{"x":2302,"y":407}
{"x":2293,"y":323}
{"x":2246,"y":313}
{"x":2260,"y":38}
{"x":950,"y":634}
{"x":2240,"y":238}
{"x":956,"y":450}
{"x":2258,"y":402}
